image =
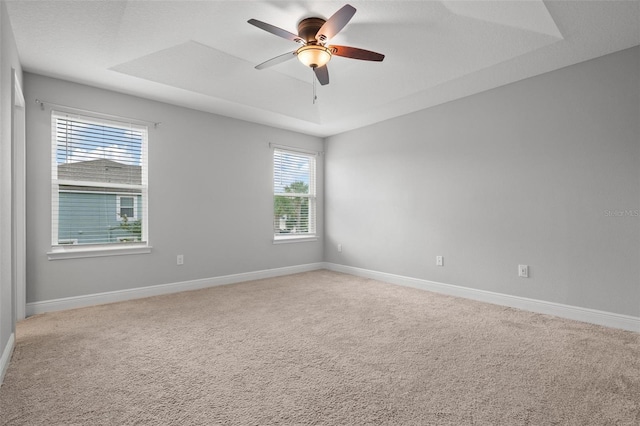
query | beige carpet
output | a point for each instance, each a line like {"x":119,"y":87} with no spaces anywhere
{"x":318,"y":348}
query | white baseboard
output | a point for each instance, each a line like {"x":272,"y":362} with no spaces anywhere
{"x":156,"y":290}
{"x":592,"y":316}
{"x":6,"y":356}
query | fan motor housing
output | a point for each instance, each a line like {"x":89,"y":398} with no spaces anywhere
{"x":308,"y":28}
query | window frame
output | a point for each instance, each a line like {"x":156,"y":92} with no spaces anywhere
{"x":73,"y":251}
{"x":311,"y":234}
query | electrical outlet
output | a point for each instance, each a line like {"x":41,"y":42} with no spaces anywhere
{"x":180,"y":259}
{"x":523,"y":271}
{"x":439,"y":261}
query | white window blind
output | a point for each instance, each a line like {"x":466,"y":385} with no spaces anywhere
{"x":99,"y":181}
{"x":294,"y":191}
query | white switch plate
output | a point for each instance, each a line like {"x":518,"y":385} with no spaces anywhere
{"x":523,"y":271}
{"x":180,"y":259}
{"x":439,"y":261}
{"x":339,"y":248}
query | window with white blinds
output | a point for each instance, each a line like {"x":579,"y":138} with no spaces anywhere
{"x":99,"y":181}
{"x":294,"y":194}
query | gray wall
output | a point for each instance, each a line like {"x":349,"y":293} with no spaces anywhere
{"x":8,"y":62}
{"x":534,"y":173}
{"x":210,"y":197}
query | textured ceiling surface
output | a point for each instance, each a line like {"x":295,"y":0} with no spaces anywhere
{"x":201,"y":54}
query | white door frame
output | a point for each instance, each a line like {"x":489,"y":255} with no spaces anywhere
{"x":19,"y":205}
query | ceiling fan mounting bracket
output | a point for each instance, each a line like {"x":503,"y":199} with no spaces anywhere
{"x":308,"y":28}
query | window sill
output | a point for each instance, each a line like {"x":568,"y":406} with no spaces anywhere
{"x":294,"y":239}
{"x":70,"y":252}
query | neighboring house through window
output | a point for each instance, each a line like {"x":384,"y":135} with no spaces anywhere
{"x":99,"y":182}
{"x":294,"y":192}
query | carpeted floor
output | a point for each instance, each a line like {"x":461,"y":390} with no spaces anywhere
{"x":318,"y":348}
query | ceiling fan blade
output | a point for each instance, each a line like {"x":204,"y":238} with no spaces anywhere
{"x":275,"y":30}
{"x":336,"y":23}
{"x":322,"y":73}
{"x":277,"y":60}
{"x":356,"y":53}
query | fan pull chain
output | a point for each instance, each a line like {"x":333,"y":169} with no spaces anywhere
{"x":315,"y":96}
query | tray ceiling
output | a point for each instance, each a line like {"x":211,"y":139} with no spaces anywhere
{"x":201,"y":54}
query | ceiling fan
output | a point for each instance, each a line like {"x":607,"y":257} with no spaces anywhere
{"x":313,"y":35}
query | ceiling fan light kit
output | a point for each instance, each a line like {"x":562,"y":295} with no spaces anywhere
{"x":313,"y":34}
{"x":314,"y":55}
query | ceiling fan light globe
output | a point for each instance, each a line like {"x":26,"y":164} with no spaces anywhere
{"x":314,"y":55}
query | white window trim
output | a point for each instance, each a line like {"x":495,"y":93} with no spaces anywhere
{"x":294,"y":238}
{"x":307,"y":236}
{"x":73,"y":251}
{"x":78,"y":252}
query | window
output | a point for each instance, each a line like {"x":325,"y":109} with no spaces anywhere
{"x":294,"y":195}
{"x":99,"y":183}
{"x":126,"y":208}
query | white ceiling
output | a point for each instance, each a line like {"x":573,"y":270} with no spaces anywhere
{"x":201,"y":54}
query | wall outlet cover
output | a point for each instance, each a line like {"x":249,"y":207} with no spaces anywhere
{"x":523,"y":271}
